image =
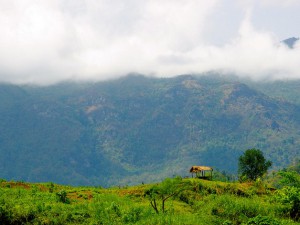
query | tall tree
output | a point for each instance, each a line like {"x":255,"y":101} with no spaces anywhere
{"x":252,"y":164}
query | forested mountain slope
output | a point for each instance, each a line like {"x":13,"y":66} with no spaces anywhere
{"x":138,"y":129}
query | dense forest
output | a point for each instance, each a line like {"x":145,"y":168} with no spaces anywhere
{"x":141,"y":129}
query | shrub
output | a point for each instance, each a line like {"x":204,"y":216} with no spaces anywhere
{"x":114,"y":207}
{"x":4,"y":215}
{"x":62,"y":197}
{"x":133,"y":216}
{"x":263,"y":220}
{"x":290,"y":178}
{"x":51,"y":187}
{"x":237,"y":209}
{"x":290,"y":196}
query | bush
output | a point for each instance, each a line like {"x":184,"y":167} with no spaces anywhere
{"x":10,"y":214}
{"x":290,"y":178}
{"x":133,"y":216}
{"x":62,"y":197}
{"x":4,"y":215}
{"x":262,"y":220}
{"x":51,"y":187}
{"x":290,"y":196}
{"x":237,"y":209}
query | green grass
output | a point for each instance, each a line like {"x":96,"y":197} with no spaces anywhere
{"x":200,"y":202}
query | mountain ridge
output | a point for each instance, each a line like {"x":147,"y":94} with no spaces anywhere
{"x":139,"y":129}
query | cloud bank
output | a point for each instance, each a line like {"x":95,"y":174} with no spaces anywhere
{"x":48,"y":41}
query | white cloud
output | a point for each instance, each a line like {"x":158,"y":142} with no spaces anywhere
{"x":279,"y":2}
{"x":267,"y":3}
{"x":254,"y":54}
{"x":50,"y":41}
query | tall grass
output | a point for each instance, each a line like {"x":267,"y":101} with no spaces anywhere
{"x":202,"y":202}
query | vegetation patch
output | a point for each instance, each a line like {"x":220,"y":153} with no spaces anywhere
{"x":172,"y":201}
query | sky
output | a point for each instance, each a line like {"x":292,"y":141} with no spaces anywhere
{"x":49,"y":41}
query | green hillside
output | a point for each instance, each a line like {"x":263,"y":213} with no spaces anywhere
{"x":138,"y":129}
{"x":186,"y":201}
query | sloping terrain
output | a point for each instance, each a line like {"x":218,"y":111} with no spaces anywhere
{"x":185,"y":201}
{"x":137,"y":129}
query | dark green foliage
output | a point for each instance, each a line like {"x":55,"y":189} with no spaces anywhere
{"x":4,"y":214}
{"x":9,"y":215}
{"x":252,"y":164}
{"x":138,"y":129}
{"x":51,"y":187}
{"x":290,"y":196}
{"x":62,"y":197}
{"x":133,"y":216}
{"x":290,"y":193}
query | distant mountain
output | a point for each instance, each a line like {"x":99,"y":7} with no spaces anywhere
{"x":290,"y":42}
{"x":286,"y":90}
{"x":139,"y":129}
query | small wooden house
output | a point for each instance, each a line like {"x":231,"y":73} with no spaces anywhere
{"x":201,"y":172}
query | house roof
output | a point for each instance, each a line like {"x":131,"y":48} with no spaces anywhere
{"x":195,"y":169}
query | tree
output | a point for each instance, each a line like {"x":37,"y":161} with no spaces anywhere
{"x":162,"y":192}
{"x":252,"y":164}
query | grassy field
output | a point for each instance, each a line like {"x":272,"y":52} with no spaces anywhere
{"x":186,"y":201}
